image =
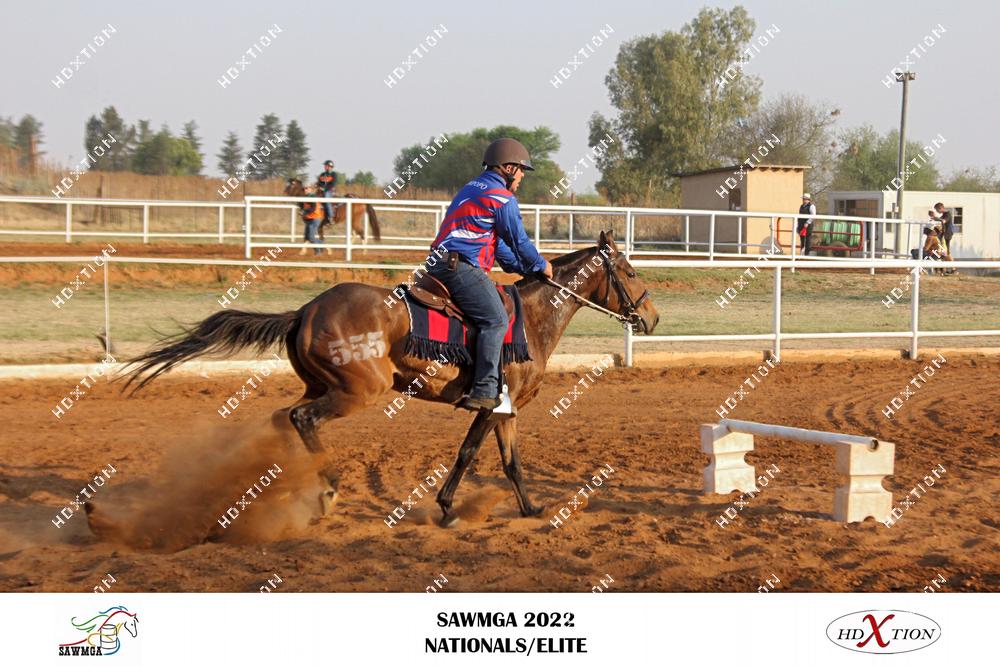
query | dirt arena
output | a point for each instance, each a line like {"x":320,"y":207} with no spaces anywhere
{"x":648,"y":526}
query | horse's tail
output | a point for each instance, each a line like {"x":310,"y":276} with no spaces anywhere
{"x":373,"y":219}
{"x":225,"y":332}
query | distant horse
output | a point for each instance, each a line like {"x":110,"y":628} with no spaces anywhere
{"x":103,"y":631}
{"x":294,"y":188}
{"x":348,"y":348}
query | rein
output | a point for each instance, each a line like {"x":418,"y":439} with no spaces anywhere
{"x":631,"y":307}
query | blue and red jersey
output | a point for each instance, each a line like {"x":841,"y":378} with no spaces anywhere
{"x":483,"y":223}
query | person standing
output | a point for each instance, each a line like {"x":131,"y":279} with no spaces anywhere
{"x":943,"y":216}
{"x":327,"y":184}
{"x":804,"y":228}
{"x":312,"y":215}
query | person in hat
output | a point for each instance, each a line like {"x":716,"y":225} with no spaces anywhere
{"x":326,"y":182}
{"x":804,"y":228}
{"x":484,"y":224}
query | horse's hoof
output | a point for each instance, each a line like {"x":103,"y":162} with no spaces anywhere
{"x":448,"y":520}
{"x":532,"y":512}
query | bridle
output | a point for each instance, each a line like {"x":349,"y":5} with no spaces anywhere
{"x":631,"y":317}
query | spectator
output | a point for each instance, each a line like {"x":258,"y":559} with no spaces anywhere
{"x":940,"y":214}
{"x":312,"y":215}
{"x":804,"y":228}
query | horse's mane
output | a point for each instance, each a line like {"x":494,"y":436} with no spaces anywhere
{"x":561,"y":260}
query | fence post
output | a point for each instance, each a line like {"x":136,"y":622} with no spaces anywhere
{"x":291,"y":224}
{"x":774,"y":221}
{"x":915,"y":313}
{"x":571,"y":230}
{"x":629,"y":221}
{"x":107,"y":310}
{"x":739,"y":235}
{"x":364,"y":228}
{"x":711,"y":238}
{"x":777,"y":313}
{"x":348,"y":231}
{"x":687,"y":233}
{"x":145,"y":223}
{"x":222,"y":224}
{"x":538,"y":225}
{"x":794,"y":242}
{"x":871,"y":247}
{"x":247,"y":205}
{"x":628,"y":346}
{"x":69,"y":222}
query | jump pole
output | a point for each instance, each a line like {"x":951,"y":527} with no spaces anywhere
{"x":862,"y":461}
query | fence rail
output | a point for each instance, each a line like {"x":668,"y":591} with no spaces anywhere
{"x":776,"y":337}
{"x":639,"y":239}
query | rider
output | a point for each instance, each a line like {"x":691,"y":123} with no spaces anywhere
{"x":483,"y":223}
{"x":327,"y":183}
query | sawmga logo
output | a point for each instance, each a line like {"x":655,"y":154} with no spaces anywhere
{"x":102,"y":633}
{"x":883,"y":632}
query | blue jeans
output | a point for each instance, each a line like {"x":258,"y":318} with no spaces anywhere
{"x":475,"y":293}
{"x":312,"y":233}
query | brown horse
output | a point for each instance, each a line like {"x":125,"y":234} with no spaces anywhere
{"x":295,"y":188}
{"x":348,"y":346}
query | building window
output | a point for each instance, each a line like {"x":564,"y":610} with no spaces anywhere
{"x":956,"y":218}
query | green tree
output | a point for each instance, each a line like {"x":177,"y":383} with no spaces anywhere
{"x":166,"y":155}
{"x":365,"y":178}
{"x":973,"y":179}
{"x":270,"y":166}
{"x":448,"y":165}
{"x":675,"y":105}
{"x":293,"y":153}
{"x":117,"y":155}
{"x":7,"y":132}
{"x":189,"y":134}
{"x":804,"y":133}
{"x":27,"y":138}
{"x":230,"y":155}
{"x":869,"y":162}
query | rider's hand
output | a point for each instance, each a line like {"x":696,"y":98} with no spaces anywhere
{"x":547,"y":272}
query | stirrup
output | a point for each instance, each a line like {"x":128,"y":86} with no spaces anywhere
{"x":506,"y":405}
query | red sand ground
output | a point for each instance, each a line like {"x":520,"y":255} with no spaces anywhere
{"x":649,"y":526}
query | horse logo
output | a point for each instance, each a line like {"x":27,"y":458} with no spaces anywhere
{"x":103,"y":633}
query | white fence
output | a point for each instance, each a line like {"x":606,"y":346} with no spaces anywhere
{"x":634,"y":220}
{"x":775,"y":337}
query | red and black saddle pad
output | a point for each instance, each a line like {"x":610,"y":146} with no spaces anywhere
{"x":433,"y":334}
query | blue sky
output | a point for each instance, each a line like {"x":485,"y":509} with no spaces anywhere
{"x":327,"y":68}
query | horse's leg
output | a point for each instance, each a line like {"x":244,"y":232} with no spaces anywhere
{"x":510,"y":457}
{"x":307,"y":416}
{"x":481,"y":427}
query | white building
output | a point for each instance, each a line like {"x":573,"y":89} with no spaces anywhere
{"x":976,"y":216}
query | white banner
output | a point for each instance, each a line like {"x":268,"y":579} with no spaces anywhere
{"x":608,"y":628}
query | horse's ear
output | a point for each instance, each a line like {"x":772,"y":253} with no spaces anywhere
{"x":608,"y":239}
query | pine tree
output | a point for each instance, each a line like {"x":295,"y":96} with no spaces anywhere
{"x":231,"y":155}
{"x":190,"y":127}
{"x":266,"y":136}
{"x":293,"y":152}
{"x":119,"y":154}
{"x":27,"y":138}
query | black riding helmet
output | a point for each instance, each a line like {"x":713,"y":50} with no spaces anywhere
{"x":507,"y":151}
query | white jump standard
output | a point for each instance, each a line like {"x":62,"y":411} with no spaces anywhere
{"x":863,"y":461}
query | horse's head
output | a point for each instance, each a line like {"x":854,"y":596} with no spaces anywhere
{"x":623,"y":291}
{"x":293,"y":188}
{"x":132,"y":625}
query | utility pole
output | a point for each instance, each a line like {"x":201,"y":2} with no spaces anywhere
{"x":904,"y":78}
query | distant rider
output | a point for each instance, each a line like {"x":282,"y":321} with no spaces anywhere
{"x":327,"y":184}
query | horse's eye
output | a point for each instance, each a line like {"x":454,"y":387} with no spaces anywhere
{"x":630,"y":274}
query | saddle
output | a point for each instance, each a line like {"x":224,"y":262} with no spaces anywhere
{"x":431,"y":292}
